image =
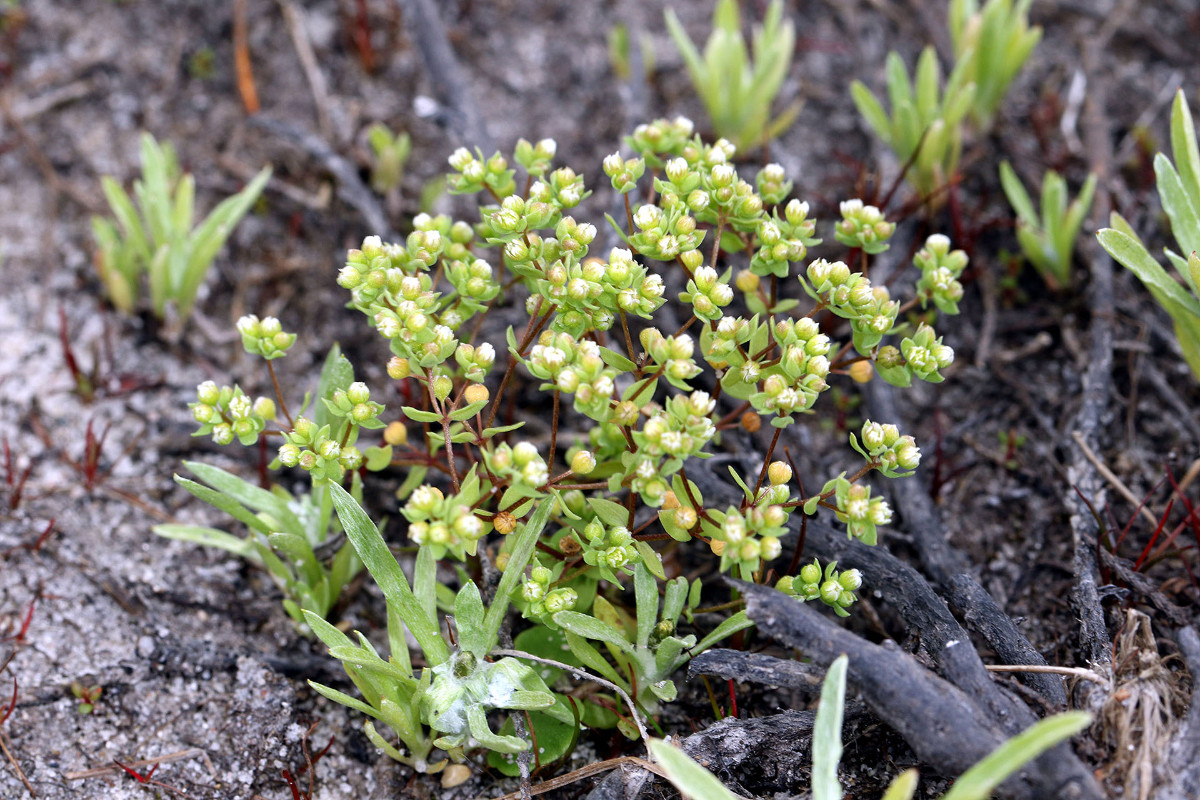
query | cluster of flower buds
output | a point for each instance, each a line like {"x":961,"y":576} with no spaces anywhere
{"x":227,"y":413}
{"x":772,"y":184}
{"x":540,"y":601}
{"x":574,"y":367}
{"x":522,"y":464}
{"x":355,"y":404}
{"x":475,"y":362}
{"x":264,"y":337}
{"x":721,"y":345}
{"x":313,"y":450}
{"x":672,"y":355}
{"x":783,"y":240}
{"x":799,"y":377}
{"x":624,"y":173}
{"x":896,"y":456}
{"x":804,"y":348}
{"x":863,"y":226}
{"x":707,"y":293}
{"x":855,"y":507}
{"x":661,"y":137}
{"x":850,"y":295}
{"x":776,"y":492}
{"x":646,"y":478}
{"x":564,"y":188}
{"x":665,"y":233}
{"x":518,"y":215}
{"x":411,"y":327}
{"x":535,"y":158}
{"x":731,"y":196}
{"x":609,"y":549}
{"x":444,"y":524}
{"x":474,"y":173}
{"x":835,"y":589}
{"x":744,"y":540}
{"x":628,"y":287}
{"x":372,"y":270}
{"x":681,"y":430}
{"x":925,"y":354}
{"x":940,"y":269}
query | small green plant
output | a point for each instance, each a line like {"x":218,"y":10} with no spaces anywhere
{"x":156,"y":236}
{"x":1048,"y":239}
{"x":88,"y":696}
{"x":284,"y":531}
{"x":738,"y":89}
{"x":992,"y":45}
{"x":389,"y":153}
{"x":977,"y":783}
{"x":570,"y":530}
{"x":925,"y":127}
{"x":1179,"y":191}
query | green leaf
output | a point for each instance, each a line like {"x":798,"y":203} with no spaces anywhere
{"x":1014,"y":190}
{"x":246,"y":493}
{"x":730,"y":626}
{"x":1183,"y":147}
{"x":377,"y":458}
{"x":591,"y":628}
{"x":336,"y":373}
{"x":522,"y":551}
{"x":380,"y":562}
{"x":651,"y":559}
{"x":466,"y":412}
{"x":469,"y":619}
{"x":611,"y":513}
{"x":981,"y":780}
{"x":224,"y":503}
{"x":691,"y":779}
{"x":1133,"y":255}
{"x":871,"y":110}
{"x":209,"y":537}
{"x":827,"y":733}
{"x":903,"y":786}
{"x":488,"y":433}
{"x":616,"y":360}
{"x":417,"y":415}
{"x":645,"y":593}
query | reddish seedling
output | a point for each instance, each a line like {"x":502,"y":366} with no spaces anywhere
{"x":26,"y":621}
{"x":1154,"y":550}
{"x":98,"y":380}
{"x":85,"y":382}
{"x":14,"y":482}
{"x":89,"y":466}
{"x":36,"y":545}
{"x":88,"y":696}
{"x":4,"y":741}
{"x":310,"y":761}
{"x":148,"y":778}
{"x":360,"y":35}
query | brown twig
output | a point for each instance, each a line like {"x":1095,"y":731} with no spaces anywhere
{"x":241,"y":58}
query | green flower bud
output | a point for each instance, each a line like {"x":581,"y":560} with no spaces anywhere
{"x":289,"y":455}
{"x":850,"y":580}
{"x":831,"y":590}
{"x":208,"y":393}
{"x":583,"y":462}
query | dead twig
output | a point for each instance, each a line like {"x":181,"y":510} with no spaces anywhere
{"x":586,"y":772}
{"x":241,"y":58}
{"x":114,"y":769}
{"x":293,"y":17}
{"x":1112,"y":479}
